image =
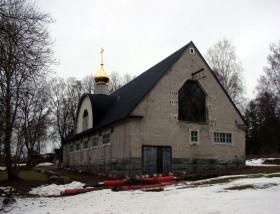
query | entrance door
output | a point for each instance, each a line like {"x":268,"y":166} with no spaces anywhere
{"x":156,"y":159}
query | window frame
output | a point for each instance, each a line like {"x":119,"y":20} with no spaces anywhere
{"x":185,"y":110}
{"x":95,"y":137}
{"x":71,"y":148}
{"x":110,"y":140}
{"x":192,"y":51}
{"x":77,"y":147}
{"x":84,"y":143}
{"x":222,"y":138}
{"x":191,"y":137}
{"x":85,"y":120}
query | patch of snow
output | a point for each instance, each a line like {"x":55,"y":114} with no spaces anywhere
{"x":215,"y":198}
{"x":259,"y":162}
{"x":5,"y":190}
{"x":2,"y":168}
{"x":54,"y":189}
{"x":44,"y":164}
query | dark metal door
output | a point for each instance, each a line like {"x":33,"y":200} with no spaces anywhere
{"x":156,"y":159}
{"x":166,"y":159}
{"x":149,"y":160}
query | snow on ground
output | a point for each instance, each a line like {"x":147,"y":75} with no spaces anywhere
{"x":257,"y":195}
{"x":44,"y":164}
{"x":2,"y":168}
{"x":259,"y":162}
{"x":54,"y":189}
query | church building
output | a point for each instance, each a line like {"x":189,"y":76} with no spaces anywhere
{"x":176,"y":117}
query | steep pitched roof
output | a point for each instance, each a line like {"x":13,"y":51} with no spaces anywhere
{"x":133,"y":92}
{"x":120,"y":104}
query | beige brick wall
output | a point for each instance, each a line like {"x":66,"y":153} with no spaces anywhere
{"x":161,"y":127}
{"x":120,"y":146}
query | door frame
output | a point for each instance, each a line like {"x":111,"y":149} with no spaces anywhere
{"x":158,"y":148}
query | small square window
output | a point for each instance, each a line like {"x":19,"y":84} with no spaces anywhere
{"x":191,"y":50}
{"x":194,"y":136}
{"x":94,"y":141}
{"x":107,"y":138}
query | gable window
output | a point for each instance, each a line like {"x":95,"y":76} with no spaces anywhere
{"x":85,"y":120}
{"x":85,"y":145}
{"x":191,"y":50}
{"x":107,"y":138}
{"x":192,"y":102}
{"x":222,"y":137}
{"x":94,"y":141}
{"x":194,"y":136}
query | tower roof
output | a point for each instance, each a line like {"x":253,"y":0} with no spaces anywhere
{"x":101,"y":77}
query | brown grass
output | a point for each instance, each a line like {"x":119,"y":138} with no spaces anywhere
{"x":29,"y":175}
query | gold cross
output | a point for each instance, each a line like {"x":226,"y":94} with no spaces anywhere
{"x":101,"y":53}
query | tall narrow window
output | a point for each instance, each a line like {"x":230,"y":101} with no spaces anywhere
{"x":107,"y":138}
{"x":192,"y":102}
{"x":77,"y":146}
{"x":85,"y":120}
{"x":85,"y":144}
{"x":194,"y":136}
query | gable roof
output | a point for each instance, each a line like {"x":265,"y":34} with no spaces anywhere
{"x":100,"y":105}
{"x":133,"y":92}
{"x":122,"y":102}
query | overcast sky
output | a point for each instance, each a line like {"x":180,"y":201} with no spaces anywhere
{"x":138,"y":34}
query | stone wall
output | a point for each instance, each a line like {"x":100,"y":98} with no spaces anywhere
{"x":132,"y":167}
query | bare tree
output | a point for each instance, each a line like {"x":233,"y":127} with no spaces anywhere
{"x":270,"y":81}
{"x":88,"y":85}
{"x":63,"y":98}
{"x":226,"y":65}
{"x":25,"y":55}
{"x":35,"y":115}
{"x":117,"y":81}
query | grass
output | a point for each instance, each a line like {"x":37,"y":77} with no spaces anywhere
{"x":84,"y":177}
{"x":241,"y":187}
{"x":250,"y":186}
{"x":276,"y":175}
{"x":28,"y":175}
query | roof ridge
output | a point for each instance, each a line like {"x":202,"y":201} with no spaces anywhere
{"x":134,"y":91}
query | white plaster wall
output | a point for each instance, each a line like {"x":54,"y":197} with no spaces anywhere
{"x":86,"y":105}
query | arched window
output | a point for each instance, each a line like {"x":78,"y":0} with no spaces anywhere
{"x":192,"y":102}
{"x":85,"y":120}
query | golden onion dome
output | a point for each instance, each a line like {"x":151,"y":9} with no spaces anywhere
{"x":101,"y":77}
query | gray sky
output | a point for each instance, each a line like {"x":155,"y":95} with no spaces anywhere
{"x":138,"y":34}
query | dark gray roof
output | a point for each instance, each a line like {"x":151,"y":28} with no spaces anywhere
{"x":133,"y":92}
{"x":120,"y":104}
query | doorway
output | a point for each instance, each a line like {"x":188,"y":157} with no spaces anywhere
{"x":156,"y":159}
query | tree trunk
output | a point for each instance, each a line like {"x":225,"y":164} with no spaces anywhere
{"x":29,"y":158}
{"x":8,"y":159}
{"x":8,"y":135}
